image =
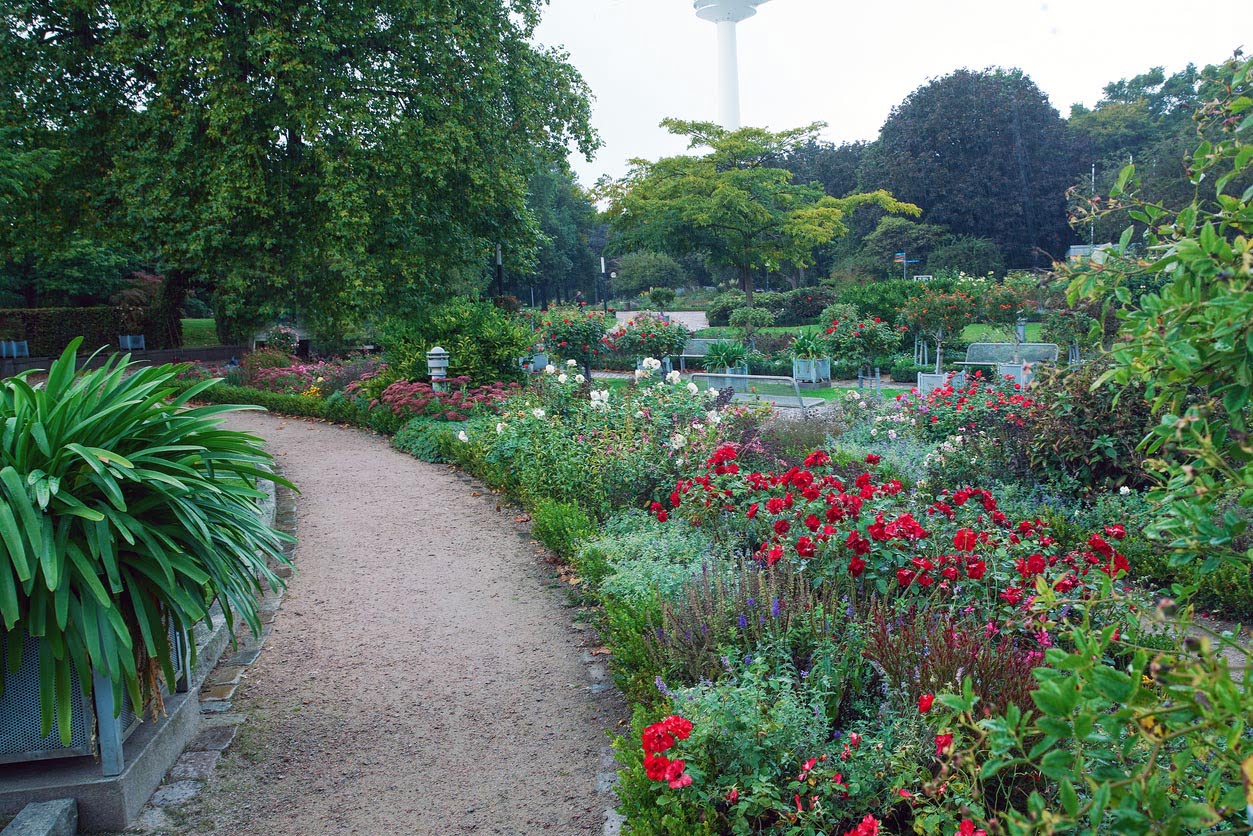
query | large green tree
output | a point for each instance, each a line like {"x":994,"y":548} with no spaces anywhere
{"x":317,"y":159}
{"x":734,"y":202}
{"x":985,"y":154}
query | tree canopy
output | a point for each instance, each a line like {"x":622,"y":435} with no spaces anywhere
{"x":309,"y":159}
{"x":733,"y":202}
{"x":984,"y":154}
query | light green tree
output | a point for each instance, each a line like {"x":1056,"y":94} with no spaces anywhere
{"x":734,"y":202}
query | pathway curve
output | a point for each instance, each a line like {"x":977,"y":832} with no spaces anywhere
{"x":422,"y":677}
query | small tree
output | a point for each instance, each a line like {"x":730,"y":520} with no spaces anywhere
{"x":941,"y":317}
{"x":732,"y":202}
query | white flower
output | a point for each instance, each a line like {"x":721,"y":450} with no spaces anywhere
{"x":892,"y":434}
{"x":500,"y":427}
{"x":673,"y":377}
{"x":651,"y":364}
{"x":561,"y":378}
{"x":578,"y":378}
{"x":677,"y":441}
{"x":1124,"y":491}
{"x":461,"y":436}
{"x":639,"y":414}
{"x":550,"y":369}
{"x":862,"y":404}
{"x":712,"y":416}
{"x":693,"y":388}
{"x":572,"y":363}
{"x":600,"y":399}
{"x":874,"y":431}
{"x":640,"y":374}
{"x":679,"y":461}
{"x":538,"y":413}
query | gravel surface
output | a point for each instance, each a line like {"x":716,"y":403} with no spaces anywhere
{"x":423,"y":676}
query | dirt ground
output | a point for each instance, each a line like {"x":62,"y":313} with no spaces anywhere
{"x":424,"y":676}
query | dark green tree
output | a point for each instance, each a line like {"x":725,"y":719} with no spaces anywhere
{"x":317,"y":160}
{"x":985,"y":154}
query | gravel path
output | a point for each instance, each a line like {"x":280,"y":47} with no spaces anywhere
{"x":423,"y":677}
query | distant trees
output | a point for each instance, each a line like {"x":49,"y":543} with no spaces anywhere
{"x":640,"y":271}
{"x":983,"y":154}
{"x":733,"y":203}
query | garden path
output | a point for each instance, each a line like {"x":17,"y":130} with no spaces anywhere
{"x":421,"y":677}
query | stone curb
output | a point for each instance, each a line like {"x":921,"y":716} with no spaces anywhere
{"x":45,"y":818}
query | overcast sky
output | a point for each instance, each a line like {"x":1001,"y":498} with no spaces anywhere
{"x":848,"y":63}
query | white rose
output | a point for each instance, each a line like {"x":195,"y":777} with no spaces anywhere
{"x":677,"y":440}
{"x":693,"y":388}
{"x":561,"y":378}
{"x":461,"y":436}
{"x":712,"y":416}
{"x":550,"y":369}
{"x":500,"y":427}
{"x":538,"y":413}
{"x":572,"y":363}
{"x":1124,"y":491}
{"x":578,"y":378}
{"x":874,"y":431}
{"x":640,"y":374}
{"x":892,"y":434}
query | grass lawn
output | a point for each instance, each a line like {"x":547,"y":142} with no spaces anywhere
{"x":982,"y":333}
{"x":724,"y":332}
{"x":198,"y":333}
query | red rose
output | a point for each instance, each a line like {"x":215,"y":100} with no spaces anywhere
{"x":943,"y":744}
{"x":924,"y":703}
{"x":964,"y":540}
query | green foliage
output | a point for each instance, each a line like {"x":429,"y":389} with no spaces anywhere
{"x":720,"y":310}
{"x":883,"y":298}
{"x":1084,"y":433}
{"x":808,"y":347}
{"x":750,"y":320}
{"x":984,"y":154}
{"x":299,"y":406}
{"x":483,"y":341}
{"x":125,"y":513}
{"x":804,"y":305}
{"x":647,"y":336}
{"x":575,"y":334}
{"x":50,"y":330}
{"x":661,"y":297}
{"x":420,"y":438}
{"x":561,"y":527}
{"x":270,"y":205}
{"x":732,"y":202}
{"x":1191,"y":343}
{"x":725,"y":354}
{"x":894,"y":235}
{"x":969,"y":254}
{"x":643,"y":270}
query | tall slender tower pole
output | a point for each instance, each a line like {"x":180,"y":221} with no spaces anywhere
{"x":725,"y":14}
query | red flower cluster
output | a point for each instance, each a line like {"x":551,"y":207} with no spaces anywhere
{"x":980,"y":403}
{"x":658,"y":738}
{"x":869,"y":826}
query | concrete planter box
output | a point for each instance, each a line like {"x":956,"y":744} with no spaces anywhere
{"x":94,"y":730}
{"x":1021,"y":373}
{"x":929,"y":381}
{"x":811,"y":370}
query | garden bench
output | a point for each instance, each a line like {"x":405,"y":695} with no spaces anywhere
{"x":131,"y":342}
{"x":1010,"y":363}
{"x":991,"y":354}
{"x":12,"y":349}
{"x":696,"y":349}
{"x":780,"y":391}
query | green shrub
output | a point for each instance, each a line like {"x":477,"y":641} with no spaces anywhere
{"x":720,"y":309}
{"x":1085,"y":437}
{"x":804,"y":305}
{"x":420,"y":439}
{"x":300,"y":406}
{"x":560,"y":526}
{"x":483,"y":341}
{"x":124,"y":512}
{"x":50,"y":330}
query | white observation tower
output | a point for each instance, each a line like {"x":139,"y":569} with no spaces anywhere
{"x":727,"y":13}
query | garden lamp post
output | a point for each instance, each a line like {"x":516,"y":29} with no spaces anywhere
{"x":437,"y":367}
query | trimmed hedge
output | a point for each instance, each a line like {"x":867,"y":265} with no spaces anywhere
{"x":50,"y":330}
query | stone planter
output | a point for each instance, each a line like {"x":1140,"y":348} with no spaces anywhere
{"x":94,"y":730}
{"x":810,"y":369}
{"x":929,"y":381}
{"x":1020,"y":373}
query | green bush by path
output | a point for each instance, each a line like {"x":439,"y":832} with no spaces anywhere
{"x":560,"y":526}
